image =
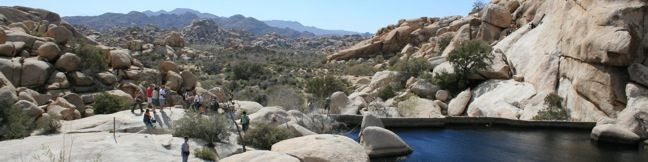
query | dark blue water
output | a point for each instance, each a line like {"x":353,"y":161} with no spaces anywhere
{"x":503,"y":144}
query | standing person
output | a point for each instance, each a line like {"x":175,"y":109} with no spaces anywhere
{"x":155,"y":98}
{"x":162,"y":97}
{"x":214,"y":105}
{"x":245,"y":121}
{"x":187,"y":97}
{"x":327,"y":105}
{"x":185,"y":150}
{"x":137,"y":103}
{"x":196,"y":102}
{"x":149,"y":96}
{"x":147,"y":119}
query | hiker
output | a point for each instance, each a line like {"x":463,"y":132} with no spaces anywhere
{"x":149,"y":95}
{"x":162,"y":97}
{"x":214,"y":105}
{"x":187,"y":97}
{"x":185,"y":150}
{"x":155,"y":98}
{"x":245,"y":121}
{"x":196,"y":102}
{"x":147,"y":119}
{"x":326,"y":105}
{"x":137,"y":103}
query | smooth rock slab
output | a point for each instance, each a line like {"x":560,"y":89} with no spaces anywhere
{"x":615,"y":134}
{"x":261,"y":156}
{"x":323,"y":148}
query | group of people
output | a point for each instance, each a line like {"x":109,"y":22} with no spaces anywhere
{"x":197,"y":102}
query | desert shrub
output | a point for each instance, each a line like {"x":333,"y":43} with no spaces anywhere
{"x":264,"y":136}
{"x":205,"y":153}
{"x":413,"y":67}
{"x":13,"y":122}
{"x":360,"y":70}
{"x":253,"y":93}
{"x":478,"y":5}
{"x":151,"y":60}
{"x":388,"y":92}
{"x":554,"y":109}
{"x":48,"y":125}
{"x":466,"y":60}
{"x":212,"y":128}
{"x":443,"y":42}
{"x":322,"y":87}
{"x":448,"y":81}
{"x":286,"y":97}
{"x":92,"y":58}
{"x":245,"y":70}
{"x":108,"y":104}
{"x":322,"y":124}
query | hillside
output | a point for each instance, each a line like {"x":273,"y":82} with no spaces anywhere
{"x":299,"y":27}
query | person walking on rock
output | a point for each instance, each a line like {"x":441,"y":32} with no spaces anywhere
{"x":149,"y":96}
{"x":213,"y":105}
{"x":245,"y":121}
{"x":185,"y":150}
{"x":156,"y":98}
{"x":196,"y":103}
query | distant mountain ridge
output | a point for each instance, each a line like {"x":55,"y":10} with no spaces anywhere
{"x":180,"y":17}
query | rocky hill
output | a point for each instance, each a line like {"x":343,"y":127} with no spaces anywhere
{"x":592,"y":53}
{"x":317,"y":31}
{"x":180,"y":19}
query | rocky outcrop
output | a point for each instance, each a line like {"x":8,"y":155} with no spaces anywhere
{"x":630,"y":126}
{"x":497,"y":98}
{"x":341,"y":104}
{"x":324,"y":148}
{"x":416,"y":107}
{"x":380,"y":142}
{"x":174,"y":39}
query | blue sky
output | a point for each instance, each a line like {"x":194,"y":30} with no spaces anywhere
{"x":353,"y":15}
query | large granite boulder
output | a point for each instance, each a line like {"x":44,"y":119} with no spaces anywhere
{"x":120,"y":59}
{"x":261,"y":156}
{"x":500,"y":98}
{"x":189,"y":80}
{"x":35,"y":73}
{"x":370,"y":120}
{"x":68,"y":62}
{"x":457,"y":105}
{"x":615,"y":134}
{"x":323,"y":148}
{"x":173,"y":81}
{"x":341,"y":104}
{"x":61,"y":34}
{"x":174,"y":39}
{"x":380,"y":142}
{"x":49,"y":51}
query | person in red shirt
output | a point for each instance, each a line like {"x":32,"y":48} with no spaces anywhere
{"x":149,"y":94}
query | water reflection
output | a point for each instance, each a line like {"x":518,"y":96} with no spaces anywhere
{"x":473,"y":143}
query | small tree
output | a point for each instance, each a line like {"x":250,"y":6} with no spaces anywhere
{"x":13,"y":122}
{"x":264,"y":136}
{"x":554,"y":109}
{"x":478,"y":5}
{"x":466,"y":60}
{"x":443,"y":42}
{"x":322,"y":87}
{"x":107,"y":104}
{"x":211,"y":128}
{"x":407,"y":68}
{"x":92,"y":58}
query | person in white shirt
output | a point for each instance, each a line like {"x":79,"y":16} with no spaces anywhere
{"x":162,"y":97}
{"x":197,"y":101}
{"x":185,"y":150}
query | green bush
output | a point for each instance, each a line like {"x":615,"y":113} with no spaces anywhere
{"x":448,"y":81}
{"x":212,"y":128}
{"x":466,"y":60}
{"x":13,"y":122}
{"x":48,"y":125}
{"x":264,"y":136}
{"x":205,"y":154}
{"x":413,"y":67}
{"x":245,"y":70}
{"x":554,"y":109}
{"x":444,"y":42}
{"x":108,"y":104}
{"x":322,"y":87}
{"x":388,"y":92}
{"x":360,"y":70}
{"x":92,"y":59}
